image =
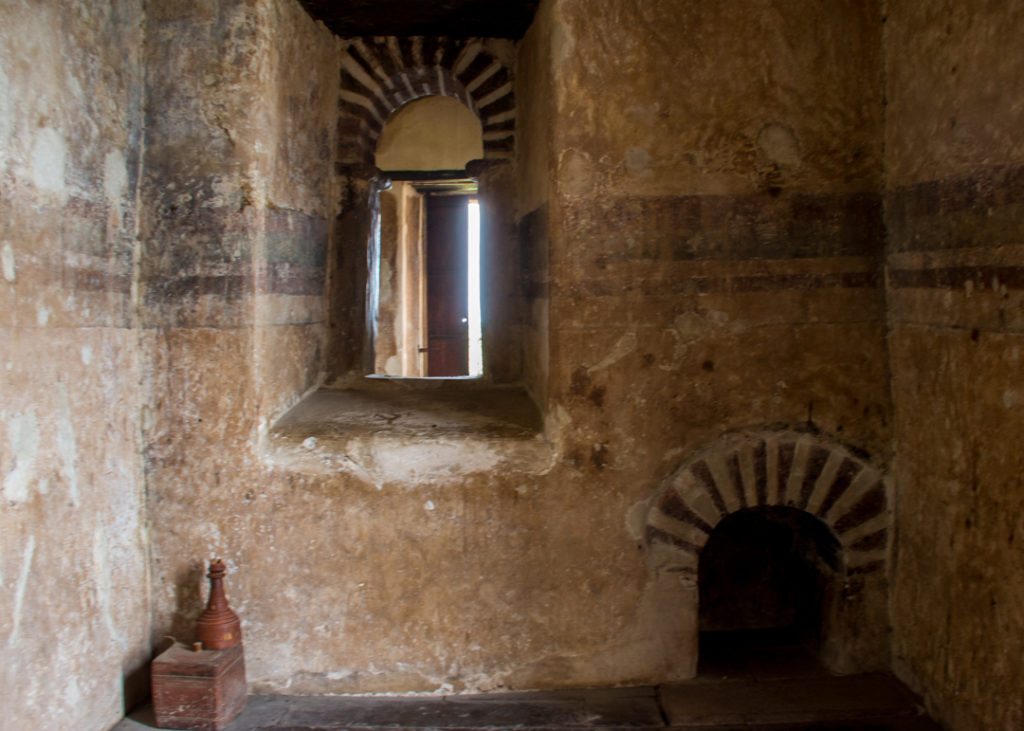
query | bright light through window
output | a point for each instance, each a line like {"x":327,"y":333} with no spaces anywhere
{"x":476,"y":353}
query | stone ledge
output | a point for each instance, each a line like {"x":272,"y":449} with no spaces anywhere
{"x":411,"y":429}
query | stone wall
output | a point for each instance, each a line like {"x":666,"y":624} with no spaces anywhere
{"x":954,"y":207}
{"x":74,"y":609}
{"x":710,"y":268}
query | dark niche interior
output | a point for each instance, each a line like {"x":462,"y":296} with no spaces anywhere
{"x":764,"y":579}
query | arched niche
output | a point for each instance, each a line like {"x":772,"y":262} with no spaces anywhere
{"x":767,"y":578}
{"x":743,"y":473}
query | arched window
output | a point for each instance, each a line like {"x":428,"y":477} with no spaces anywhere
{"x":383,"y":78}
{"x":425,"y":280}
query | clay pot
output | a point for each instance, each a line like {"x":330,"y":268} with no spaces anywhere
{"x":218,"y":628}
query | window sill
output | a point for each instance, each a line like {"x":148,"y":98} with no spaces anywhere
{"x":402,"y":430}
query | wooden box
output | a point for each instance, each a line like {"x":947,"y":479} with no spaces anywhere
{"x":201,"y":690}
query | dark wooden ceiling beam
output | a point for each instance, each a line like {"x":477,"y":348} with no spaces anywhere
{"x":450,"y":18}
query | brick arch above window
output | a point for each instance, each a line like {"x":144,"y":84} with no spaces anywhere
{"x":381,"y":74}
{"x":781,"y":468}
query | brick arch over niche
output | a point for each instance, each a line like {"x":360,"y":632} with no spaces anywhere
{"x":786,"y":468}
{"x":381,"y":74}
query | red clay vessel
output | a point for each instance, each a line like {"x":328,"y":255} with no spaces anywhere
{"x":218,"y":628}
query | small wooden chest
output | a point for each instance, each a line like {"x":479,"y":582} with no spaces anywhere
{"x":201,"y":690}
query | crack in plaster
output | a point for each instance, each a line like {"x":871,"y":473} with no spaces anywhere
{"x":103,"y":586}
{"x":623,"y":347}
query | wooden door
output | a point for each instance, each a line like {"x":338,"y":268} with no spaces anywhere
{"x":447,"y":295}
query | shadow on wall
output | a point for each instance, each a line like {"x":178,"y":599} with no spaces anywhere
{"x":189,"y":602}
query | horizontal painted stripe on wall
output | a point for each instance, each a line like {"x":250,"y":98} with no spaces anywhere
{"x":978,"y":278}
{"x":703,"y":227}
{"x":688,"y":285}
{"x":981,"y":209}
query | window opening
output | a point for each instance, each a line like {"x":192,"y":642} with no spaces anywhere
{"x":476,"y":352}
{"x":426,"y":291}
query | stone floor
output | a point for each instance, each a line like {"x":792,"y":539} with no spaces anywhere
{"x":851,"y":703}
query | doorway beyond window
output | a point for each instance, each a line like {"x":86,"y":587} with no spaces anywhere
{"x":453,"y":286}
{"x":428,"y":299}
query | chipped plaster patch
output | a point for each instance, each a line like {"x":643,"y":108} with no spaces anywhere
{"x":23,"y":437}
{"x":103,"y":586}
{"x":563,"y":43}
{"x":115,"y":176}
{"x":72,"y":693}
{"x":48,"y":158}
{"x":402,"y":461}
{"x":636,"y":519}
{"x":638,"y":162}
{"x":67,"y":446}
{"x":688,"y":329}
{"x":779,"y":144}
{"x":42,"y":315}
{"x":6,"y":111}
{"x":577,"y":173}
{"x":7,"y":262}
{"x":86,"y":355}
{"x":19,"y":590}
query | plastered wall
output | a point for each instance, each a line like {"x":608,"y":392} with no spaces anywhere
{"x":955,"y":214}
{"x":761,"y":308}
{"x":238,"y":192}
{"x":74,"y":605}
{"x":713,"y":254}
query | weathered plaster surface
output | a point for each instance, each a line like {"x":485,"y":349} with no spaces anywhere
{"x":239,"y":191}
{"x":741,"y":293}
{"x":74,"y":609}
{"x":955,"y":215}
